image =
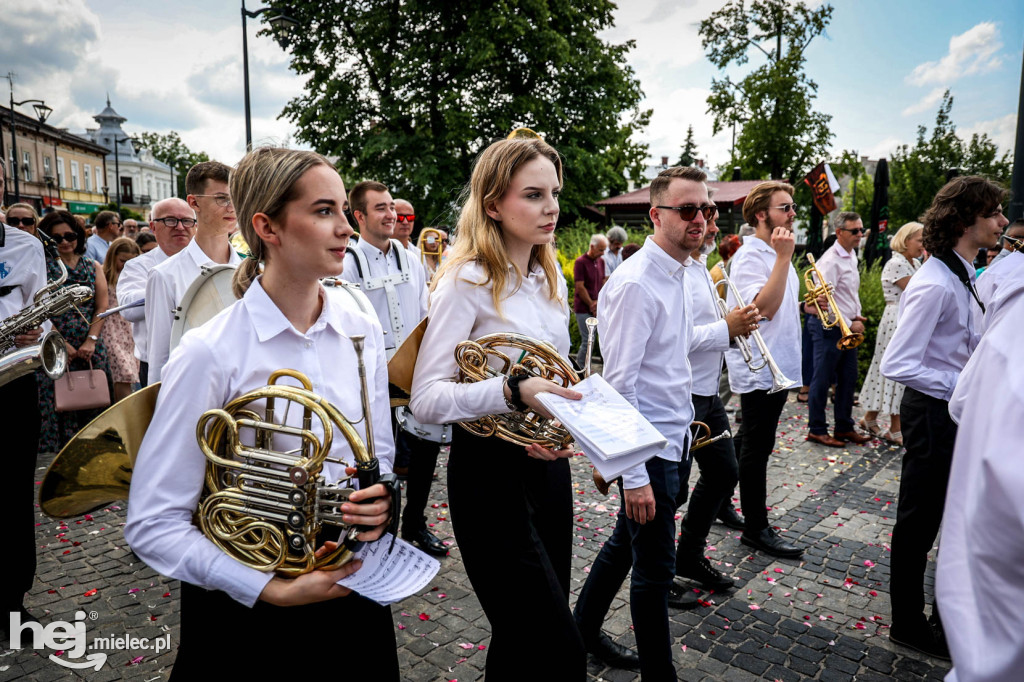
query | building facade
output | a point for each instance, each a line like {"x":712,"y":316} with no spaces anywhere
{"x":54,"y":167}
{"x":134,"y":177}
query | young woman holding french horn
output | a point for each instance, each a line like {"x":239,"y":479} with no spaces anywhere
{"x":511,"y":505}
{"x":236,"y":619}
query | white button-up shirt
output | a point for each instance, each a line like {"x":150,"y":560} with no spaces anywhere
{"x":229,"y":356}
{"x":710,"y":337}
{"x":979,"y":581}
{"x":22,"y":268}
{"x":993,"y":282}
{"x":644,"y":320}
{"x":461,"y":308}
{"x":167,"y":284}
{"x":412,"y":295}
{"x":749,"y":270}
{"x":936,"y":332}
{"x":839,"y":267}
{"x":131,"y":286}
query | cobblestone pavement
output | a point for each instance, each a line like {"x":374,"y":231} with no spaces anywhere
{"x":823,"y":617}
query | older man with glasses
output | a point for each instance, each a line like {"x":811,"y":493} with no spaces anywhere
{"x":173,"y":223}
{"x":108,"y":228}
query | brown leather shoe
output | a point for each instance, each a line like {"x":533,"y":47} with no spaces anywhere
{"x":853,"y":437}
{"x":825,"y":439}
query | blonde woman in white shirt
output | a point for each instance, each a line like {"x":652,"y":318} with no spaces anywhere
{"x":289,"y":207}
{"x":503,"y":276}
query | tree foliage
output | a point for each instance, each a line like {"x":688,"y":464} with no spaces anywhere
{"x":849,"y":165}
{"x":688,"y":157}
{"x":918,"y":172}
{"x":171,"y":150}
{"x":408,"y":93}
{"x":782,"y":134}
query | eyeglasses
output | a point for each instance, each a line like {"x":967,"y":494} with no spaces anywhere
{"x":853,"y":230}
{"x":689,"y":211}
{"x":66,"y":237}
{"x":785,"y":208}
{"x":174,"y":222}
{"x":25,"y":222}
{"x":222,"y":200}
{"x":408,"y":217}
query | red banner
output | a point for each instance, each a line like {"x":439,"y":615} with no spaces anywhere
{"x":818,"y":181}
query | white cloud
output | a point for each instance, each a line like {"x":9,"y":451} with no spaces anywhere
{"x":1001,"y":130}
{"x":971,"y":52}
{"x":883,"y":148}
{"x":926,"y":103}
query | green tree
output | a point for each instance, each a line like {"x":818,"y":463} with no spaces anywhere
{"x":689,"y":155}
{"x":408,"y":93}
{"x":782,"y":133}
{"x":918,"y":172}
{"x":171,"y":150}
{"x":849,"y":165}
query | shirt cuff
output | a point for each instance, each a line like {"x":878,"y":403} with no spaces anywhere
{"x":636,"y":477}
{"x":241,"y":583}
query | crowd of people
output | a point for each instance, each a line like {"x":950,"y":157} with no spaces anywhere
{"x":677,"y":340}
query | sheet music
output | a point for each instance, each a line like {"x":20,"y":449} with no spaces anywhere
{"x":610,"y":431}
{"x":388,"y":577}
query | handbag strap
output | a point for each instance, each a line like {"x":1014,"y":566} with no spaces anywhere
{"x":71,"y":382}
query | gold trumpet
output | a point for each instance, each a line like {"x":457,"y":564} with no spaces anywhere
{"x":780,"y":382}
{"x":829,"y":315}
{"x":262,"y":505}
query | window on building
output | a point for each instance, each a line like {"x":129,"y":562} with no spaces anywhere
{"x":47,"y":166}
{"x":87,"y":177}
{"x":99,"y":180}
{"x":74,"y":175}
{"x":26,"y":166}
{"x":60,"y":172}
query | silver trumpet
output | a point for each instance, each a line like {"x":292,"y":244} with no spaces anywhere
{"x":779,"y":380}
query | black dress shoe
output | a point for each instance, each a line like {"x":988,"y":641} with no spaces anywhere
{"x":426,"y":541}
{"x":769,"y":542}
{"x":612,"y":653}
{"x":731,"y":518}
{"x":682,"y":597}
{"x":927,"y":639}
{"x":700,"y":570}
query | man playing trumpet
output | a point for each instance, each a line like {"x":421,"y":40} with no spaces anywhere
{"x":838,"y":267}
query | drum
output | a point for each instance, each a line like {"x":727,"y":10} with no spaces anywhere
{"x":208,"y":294}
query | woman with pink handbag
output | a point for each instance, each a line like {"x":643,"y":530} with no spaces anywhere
{"x":84,"y":389}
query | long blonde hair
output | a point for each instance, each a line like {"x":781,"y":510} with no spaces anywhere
{"x":119,"y":245}
{"x":478,"y":237}
{"x":264,"y":182}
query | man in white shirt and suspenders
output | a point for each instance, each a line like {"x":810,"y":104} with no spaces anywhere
{"x":938,"y":330}
{"x":394,"y":281}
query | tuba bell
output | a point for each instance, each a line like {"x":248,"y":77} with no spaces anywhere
{"x":261,"y":504}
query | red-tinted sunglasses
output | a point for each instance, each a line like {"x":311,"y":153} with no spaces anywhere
{"x":409,"y":217}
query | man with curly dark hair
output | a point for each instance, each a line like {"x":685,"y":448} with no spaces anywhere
{"x":938,"y":330}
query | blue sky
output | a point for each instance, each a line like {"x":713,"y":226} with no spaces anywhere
{"x":177,"y":65}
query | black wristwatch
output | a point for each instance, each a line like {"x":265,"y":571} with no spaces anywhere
{"x":516,"y":402}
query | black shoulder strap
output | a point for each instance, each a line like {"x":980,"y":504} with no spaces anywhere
{"x":957,"y":267}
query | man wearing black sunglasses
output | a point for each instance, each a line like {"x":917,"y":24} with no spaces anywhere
{"x":838,"y":265}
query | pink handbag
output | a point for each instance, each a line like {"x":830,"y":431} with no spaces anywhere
{"x":84,"y":389}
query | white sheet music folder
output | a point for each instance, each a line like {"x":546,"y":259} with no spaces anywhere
{"x":610,"y":431}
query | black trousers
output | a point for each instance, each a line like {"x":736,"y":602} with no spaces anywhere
{"x":718,"y":476}
{"x":422,"y":457}
{"x":144,"y":373}
{"x":512,"y":517}
{"x":755,"y":441}
{"x":929,"y":435}
{"x":19,"y":422}
{"x":349,"y":638}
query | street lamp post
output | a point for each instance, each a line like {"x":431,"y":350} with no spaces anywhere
{"x":42,"y":113}
{"x":48,"y":179}
{"x":277,"y":22}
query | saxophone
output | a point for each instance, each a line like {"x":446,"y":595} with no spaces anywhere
{"x":51,"y":353}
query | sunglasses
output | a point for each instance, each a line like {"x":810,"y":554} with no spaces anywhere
{"x":854,"y":230}
{"x":66,"y":237}
{"x":408,"y":217}
{"x":25,"y":222}
{"x":689,"y":211}
{"x":786,"y":207}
